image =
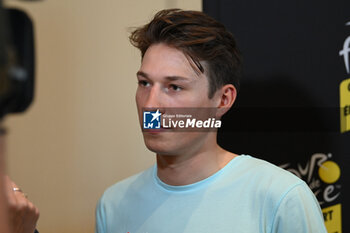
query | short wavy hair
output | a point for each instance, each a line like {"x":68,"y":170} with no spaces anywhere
{"x":201,"y":38}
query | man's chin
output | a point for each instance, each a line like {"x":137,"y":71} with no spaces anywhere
{"x":154,"y":147}
{"x":158,"y":146}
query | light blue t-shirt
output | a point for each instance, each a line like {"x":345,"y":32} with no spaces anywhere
{"x":248,"y":195}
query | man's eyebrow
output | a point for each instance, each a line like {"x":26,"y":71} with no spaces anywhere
{"x":169,"y":78}
{"x":175,"y":78}
{"x":142,"y":74}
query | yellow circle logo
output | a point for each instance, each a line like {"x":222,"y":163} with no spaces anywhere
{"x":329,"y":172}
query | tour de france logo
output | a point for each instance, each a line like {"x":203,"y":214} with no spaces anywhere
{"x":322,"y":174}
{"x":344,"y":89}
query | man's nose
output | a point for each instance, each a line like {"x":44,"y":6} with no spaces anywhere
{"x":153,"y":100}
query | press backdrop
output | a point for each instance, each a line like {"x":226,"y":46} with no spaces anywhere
{"x":293,"y":108}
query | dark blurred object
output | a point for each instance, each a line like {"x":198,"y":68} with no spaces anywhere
{"x":16,"y":80}
{"x":16,"y":61}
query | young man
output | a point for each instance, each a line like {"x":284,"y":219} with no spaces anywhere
{"x":189,"y":61}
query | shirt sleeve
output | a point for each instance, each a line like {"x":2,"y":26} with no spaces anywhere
{"x":298,"y":211}
{"x":100,"y":225}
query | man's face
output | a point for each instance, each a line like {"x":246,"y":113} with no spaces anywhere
{"x":167,"y":79}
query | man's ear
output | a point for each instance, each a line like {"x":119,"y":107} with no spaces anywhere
{"x":227,"y":96}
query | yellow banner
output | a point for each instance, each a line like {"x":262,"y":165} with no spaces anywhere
{"x":332,"y":218}
{"x":344,"y":90}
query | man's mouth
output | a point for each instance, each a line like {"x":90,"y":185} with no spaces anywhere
{"x":155,"y":131}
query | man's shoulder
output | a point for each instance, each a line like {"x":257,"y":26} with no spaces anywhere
{"x":121,"y":188}
{"x":272,"y":183}
{"x":281,"y":194}
{"x":267,"y":176}
{"x":268,"y":170}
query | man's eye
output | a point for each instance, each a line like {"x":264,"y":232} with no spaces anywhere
{"x":175,"y":87}
{"x":143,"y":83}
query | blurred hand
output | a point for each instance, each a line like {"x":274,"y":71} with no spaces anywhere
{"x":23,"y":215}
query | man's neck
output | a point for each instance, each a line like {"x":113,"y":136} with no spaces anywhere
{"x":188,"y":169}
